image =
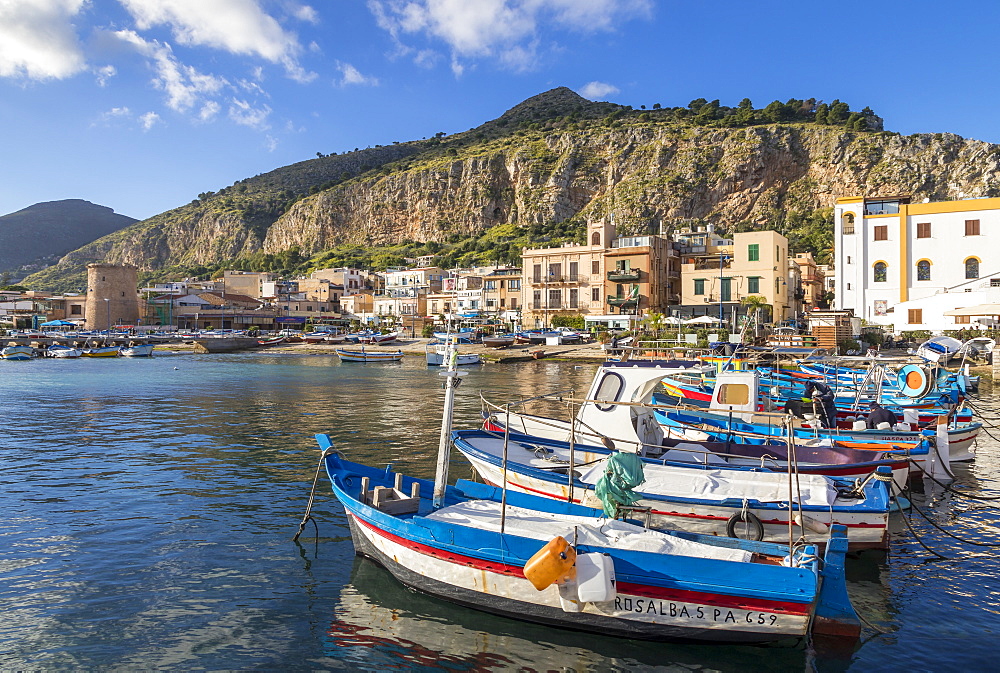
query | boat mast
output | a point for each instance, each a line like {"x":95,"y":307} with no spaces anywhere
{"x":452,"y":376}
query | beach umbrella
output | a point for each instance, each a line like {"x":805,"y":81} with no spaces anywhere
{"x":703,"y":320}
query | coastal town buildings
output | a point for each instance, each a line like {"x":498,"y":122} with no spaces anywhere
{"x":502,"y":294}
{"x":912,"y":265}
{"x":812,"y":281}
{"x":606,"y":276}
{"x":718,"y":273}
{"x":565,"y":280}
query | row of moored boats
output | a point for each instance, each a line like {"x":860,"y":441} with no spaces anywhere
{"x":677,"y":502}
{"x":64,"y":351}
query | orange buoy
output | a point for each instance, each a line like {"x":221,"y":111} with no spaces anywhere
{"x":553,"y":563}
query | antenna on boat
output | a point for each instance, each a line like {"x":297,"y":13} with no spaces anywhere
{"x":452,"y":376}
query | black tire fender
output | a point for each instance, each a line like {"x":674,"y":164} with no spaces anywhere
{"x":755,"y":526}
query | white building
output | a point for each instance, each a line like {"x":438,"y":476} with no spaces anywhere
{"x":894,"y":259}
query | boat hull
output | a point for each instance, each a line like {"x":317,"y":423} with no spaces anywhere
{"x":140,"y":351}
{"x":103,"y":352}
{"x":362,"y":356}
{"x":508,"y":593}
{"x":864,"y":530}
{"x":437,"y":359}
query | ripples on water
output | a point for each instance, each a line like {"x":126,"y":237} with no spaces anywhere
{"x":148,"y":507}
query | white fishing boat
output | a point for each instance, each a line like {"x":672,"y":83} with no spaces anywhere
{"x":62,"y":351}
{"x":437,"y":354}
{"x":939,"y":349}
{"x":17,"y":353}
{"x":137,"y":351}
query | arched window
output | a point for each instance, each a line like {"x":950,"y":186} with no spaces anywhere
{"x":595,"y":239}
{"x":972,"y":268}
{"x":847,"y":222}
{"x":923,"y":270}
{"x":881,"y":271}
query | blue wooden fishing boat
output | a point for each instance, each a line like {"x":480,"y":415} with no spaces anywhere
{"x":477,"y":549}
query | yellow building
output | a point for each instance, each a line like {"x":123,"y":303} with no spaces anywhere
{"x":568,"y":280}
{"x":717,"y":273}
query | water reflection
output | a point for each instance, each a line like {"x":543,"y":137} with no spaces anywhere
{"x":148,"y":506}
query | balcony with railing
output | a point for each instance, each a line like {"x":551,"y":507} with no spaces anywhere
{"x":624,"y":275}
{"x":626,"y":301}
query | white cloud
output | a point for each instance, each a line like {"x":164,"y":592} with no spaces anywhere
{"x":38,"y":40}
{"x":104,"y":74}
{"x":184,"y":85}
{"x":352,"y":75}
{"x":115,"y":113}
{"x":507,"y":30}
{"x":305,"y":13}
{"x":270,"y":143}
{"x":243,"y":113}
{"x":209,"y":111}
{"x":149,"y":120}
{"x":236,"y":26}
{"x":598,"y":90}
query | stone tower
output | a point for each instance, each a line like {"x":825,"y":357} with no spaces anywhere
{"x":117,"y":284}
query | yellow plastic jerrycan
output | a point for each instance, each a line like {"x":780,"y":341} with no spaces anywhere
{"x":553,"y":563}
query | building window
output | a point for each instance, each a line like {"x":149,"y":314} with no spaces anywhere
{"x":595,"y":294}
{"x":753,"y":284}
{"x":595,"y":268}
{"x":848,"y":259}
{"x":699,"y":286}
{"x":536,"y":299}
{"x":923,"y":229}
{"x":555,"y":298}
{"x":595,"y":239}
{"x":881,"y":232}
{"x":963,"y":320}
{"x":536,"y":275}
{"x":574,"y":298}
{"x":753,"y":252}
{"x":972,"y":268}
{"x":726,"y":289}
{"x":915,"y":316}
{"x":76,"y":309}
{"x":847,"y":223}
{"x":923,"y":270}
{"x":574,"y":270}
{"x":513,"y":303}
{"x":972,"y":227}
{"x":881,"y":271}
{"x":514,"y":284}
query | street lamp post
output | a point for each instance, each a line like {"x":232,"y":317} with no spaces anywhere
{"x":722,"y":259}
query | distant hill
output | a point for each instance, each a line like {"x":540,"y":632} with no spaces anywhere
{"x":40,"y":234}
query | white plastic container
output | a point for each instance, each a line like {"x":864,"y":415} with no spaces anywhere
{"x":553,"y":340}
{"x":911,"y":416}
{"x":595,"y":578}
{"x":859,"y":425}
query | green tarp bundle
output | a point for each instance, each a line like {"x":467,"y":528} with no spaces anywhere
{"x":622,"y":473}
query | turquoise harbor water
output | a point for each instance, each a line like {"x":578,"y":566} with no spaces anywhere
{"x":148,"y":508}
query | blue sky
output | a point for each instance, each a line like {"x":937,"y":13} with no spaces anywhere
{"x":140,"y":105}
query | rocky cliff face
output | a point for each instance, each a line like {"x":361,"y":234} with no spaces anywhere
{"x":567,"y":167}
{"x":643,"y":174}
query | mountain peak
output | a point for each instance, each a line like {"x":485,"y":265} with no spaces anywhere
{"x":559,"y":102}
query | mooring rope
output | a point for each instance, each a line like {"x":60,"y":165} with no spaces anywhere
{"x":312,"y":495}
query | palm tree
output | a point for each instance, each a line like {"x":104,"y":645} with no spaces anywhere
{"x":655,"y":321}
{"x":754,"y":303}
